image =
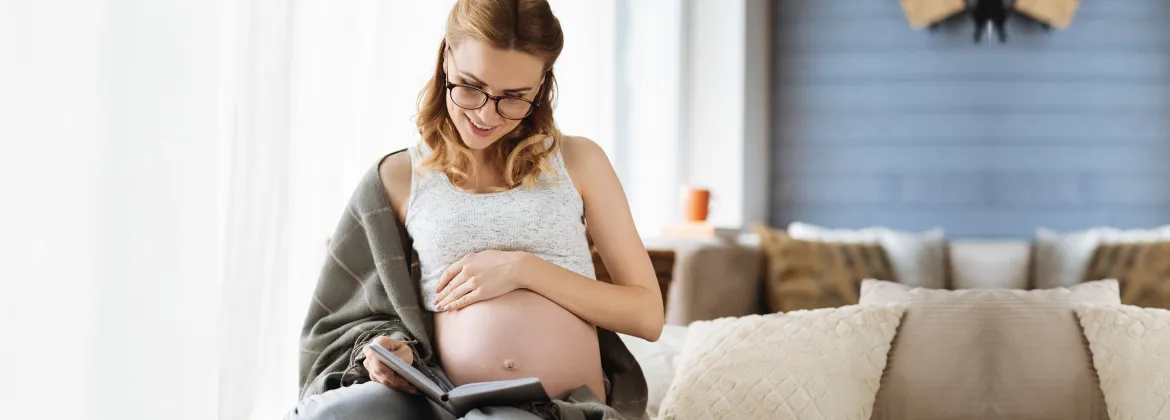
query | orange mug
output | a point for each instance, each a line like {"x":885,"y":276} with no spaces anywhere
{"x":697,"y":205}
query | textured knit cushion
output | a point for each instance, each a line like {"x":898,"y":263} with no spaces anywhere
{"x":989,"y":354}
{"x":1143,"y":269}
{"x":918,"y":259}
{"x":1062,"y":258}
{"x":819,"y":364}
{"x":1131,"y":351}
{"x":814,"y":274}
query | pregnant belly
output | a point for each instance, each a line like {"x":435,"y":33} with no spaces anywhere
{"x":520,"y":334}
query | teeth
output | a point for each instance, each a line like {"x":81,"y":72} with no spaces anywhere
{"x":481,"y":127}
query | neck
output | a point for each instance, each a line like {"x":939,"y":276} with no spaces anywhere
{"x":482,"y":168}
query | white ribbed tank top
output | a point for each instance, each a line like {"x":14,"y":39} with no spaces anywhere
{"x":447,"y":223}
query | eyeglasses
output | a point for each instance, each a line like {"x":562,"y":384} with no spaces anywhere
{"x":509,"y":107}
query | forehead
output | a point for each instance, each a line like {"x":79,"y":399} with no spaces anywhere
{"x":498,"y":68}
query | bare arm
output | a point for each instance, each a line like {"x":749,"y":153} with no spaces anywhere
{"x":633,"y":303}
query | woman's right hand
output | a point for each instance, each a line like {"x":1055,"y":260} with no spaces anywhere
{"x":381,"y":373}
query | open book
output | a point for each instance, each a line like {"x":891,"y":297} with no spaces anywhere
{"x":462,"y":399}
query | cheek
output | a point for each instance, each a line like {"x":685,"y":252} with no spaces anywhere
{"x":452,"y":111}
{"x":511,"y":125}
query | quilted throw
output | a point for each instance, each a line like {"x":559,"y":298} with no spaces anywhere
{"x":1131,"y":351}
{"x":812,"y":364}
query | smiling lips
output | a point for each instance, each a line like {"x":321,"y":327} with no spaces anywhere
{"x":479,"y":130}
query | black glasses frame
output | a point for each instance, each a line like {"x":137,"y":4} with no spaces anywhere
{"x":486,"y":97}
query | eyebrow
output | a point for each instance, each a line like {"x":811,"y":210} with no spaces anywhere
{"x":473,"y":79}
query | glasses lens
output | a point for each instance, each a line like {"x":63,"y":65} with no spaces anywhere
{"x":467,"y":97}
{"x":514,"y":108}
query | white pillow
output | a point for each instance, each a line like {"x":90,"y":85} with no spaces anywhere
{"x":1062,"y":258}
{"x":812,"y":364}
{"x":658,"y":361}
{"x":918,"y":259}
{"x":1131,"y":352}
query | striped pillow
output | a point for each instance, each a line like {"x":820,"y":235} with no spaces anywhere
{"x":817,"y":274}
{"x":1142,"y":269}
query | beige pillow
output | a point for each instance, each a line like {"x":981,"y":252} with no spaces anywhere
{"x":989,"y":353}
{"x":816,"y":364}
{"x":918,"y":259}
{"x":1131,"y":350}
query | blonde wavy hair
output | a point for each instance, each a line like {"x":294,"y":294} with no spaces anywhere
{"x":521,"y":25}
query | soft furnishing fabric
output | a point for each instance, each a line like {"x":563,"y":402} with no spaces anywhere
{"x":979,"y":354}
{"x":816,"y":364}
{"x":814,"y":274}
{"x":1131,"y":351}
{"x":1141,"y":268}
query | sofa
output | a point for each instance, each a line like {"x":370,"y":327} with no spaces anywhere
{"x":719,"y":280}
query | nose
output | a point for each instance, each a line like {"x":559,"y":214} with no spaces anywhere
{"x":487,"y":113}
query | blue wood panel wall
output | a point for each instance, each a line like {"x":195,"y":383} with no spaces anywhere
{"x":879,"y":124}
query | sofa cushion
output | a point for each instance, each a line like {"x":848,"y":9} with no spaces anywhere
{"x":818,"y":364}
{"x":986,"y":353}
{"x":989,"y":264}
{"x":658,"y":360}
{"x":1143,"y":269}
{"x":1129,"y":347}
{"x":1062,"y":258}
{"x":918,"y":259}
{"x":814,"y":274}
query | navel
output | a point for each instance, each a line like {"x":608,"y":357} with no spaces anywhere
{"x":509,"y":364}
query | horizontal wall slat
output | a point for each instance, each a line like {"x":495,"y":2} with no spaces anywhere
{"x":976,"y":188}
{"x":981,"y":63}
{"x":820,"y":127}
{"x":967,"y":159}
{"x":1126,"y":189}
{"x":913,"y":94}
{"x":886,"y":9}
{"x":892,"y":33}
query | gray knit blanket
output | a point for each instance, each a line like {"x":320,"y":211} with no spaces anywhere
{"x":368,"y":287}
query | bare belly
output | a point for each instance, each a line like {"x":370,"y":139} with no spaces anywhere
{"x":517,"y":335}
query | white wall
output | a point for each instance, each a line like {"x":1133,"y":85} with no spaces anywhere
{"x":726,"y":118}
{"x":650,"y":94}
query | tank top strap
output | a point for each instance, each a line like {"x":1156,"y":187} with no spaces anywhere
{"x":556,"y":161}
{"x":421,"y":178}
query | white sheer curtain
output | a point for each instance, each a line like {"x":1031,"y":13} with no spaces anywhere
{"x":171,"y":169}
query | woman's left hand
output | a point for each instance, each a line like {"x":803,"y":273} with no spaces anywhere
{"x":479,"y":276}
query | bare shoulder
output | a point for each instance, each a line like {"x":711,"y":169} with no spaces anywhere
{"x":582,"y":151}
{"x":586,"y":163}
{"x":396,"y":172}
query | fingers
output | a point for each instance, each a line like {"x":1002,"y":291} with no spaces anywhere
{"x":457,"y":289}
{"x":455,"y":283}
{"x":399,"y":349}
{"x":382,"y":374}
{"x":449,"y":273}
{"x":464,"y":300}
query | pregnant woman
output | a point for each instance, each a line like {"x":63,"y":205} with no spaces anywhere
{"x":495,"y":203}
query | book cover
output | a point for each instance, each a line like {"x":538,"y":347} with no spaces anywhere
{"x":464,"y":398}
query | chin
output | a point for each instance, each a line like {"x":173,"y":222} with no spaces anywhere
{"x":475,"y":142}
